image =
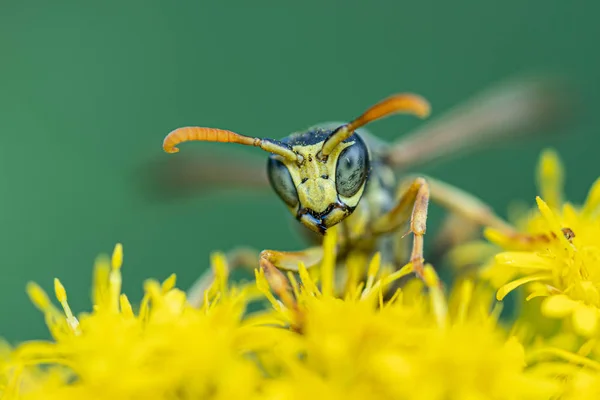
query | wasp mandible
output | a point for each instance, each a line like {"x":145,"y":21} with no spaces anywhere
{"x":339,"y":174}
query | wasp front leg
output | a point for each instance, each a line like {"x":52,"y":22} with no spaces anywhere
{"x":289,"y":260}
{"x":271,"y":261}
{"x":412,"y":203}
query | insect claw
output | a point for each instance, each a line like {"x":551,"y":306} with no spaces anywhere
{"x":406,"y":234}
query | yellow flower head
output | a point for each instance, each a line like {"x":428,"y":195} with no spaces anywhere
{"x":164,"y":350}
{"x":559,"y":256}
{"x":416,"y":345}
{"x":585,"y":385}
{"x":322,"y":337}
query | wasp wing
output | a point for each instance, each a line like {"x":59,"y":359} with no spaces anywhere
{"x":168,"y":177}
{"x":515,"y":109}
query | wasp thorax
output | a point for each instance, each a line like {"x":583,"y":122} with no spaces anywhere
{"x":321,"y":193}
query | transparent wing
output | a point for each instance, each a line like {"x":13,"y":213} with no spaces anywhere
{"x":166,"y":177}
{"x":515,"y":109}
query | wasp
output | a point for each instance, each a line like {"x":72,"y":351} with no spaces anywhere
{"x":340,"y":174}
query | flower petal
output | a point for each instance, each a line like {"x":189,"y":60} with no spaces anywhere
{"x":558,"y":306}
{"x":509,"y":287}
{"x":523,"y":259}
{"x":585,"y":320}
{"x":552,"y":222}
{"x":550,"y":177}
{"x":593,"y":198}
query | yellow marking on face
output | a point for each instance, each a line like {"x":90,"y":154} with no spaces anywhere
{"x":315,"y":192}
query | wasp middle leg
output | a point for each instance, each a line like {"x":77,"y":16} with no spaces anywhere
{"x":412,"y":203}
{"x":468,"y":214}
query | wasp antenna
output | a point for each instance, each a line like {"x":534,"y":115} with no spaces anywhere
{"x":194,"y":133}
{"x":399,"y":103}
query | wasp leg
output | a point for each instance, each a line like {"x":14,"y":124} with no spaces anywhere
{"x":470,"y":214}
{"x":412,"y":203}
{"x":277,"y":281}
{"x":289,"y":260}
{"x":273,"y":262}
{"x":467,"y":215}
{"x":236,"y":258}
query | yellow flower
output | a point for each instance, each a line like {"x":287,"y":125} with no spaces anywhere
{"x":164,"y":350}
{"x":559,"y":256}
{"x":585,"y":385}
{"x":578,"y":372}
{"x":322,"y":337}
{"x":417,"y":345}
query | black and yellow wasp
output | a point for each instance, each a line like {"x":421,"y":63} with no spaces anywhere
{"x":338,"y":174}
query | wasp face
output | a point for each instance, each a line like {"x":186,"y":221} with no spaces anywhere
{"x":320,"y":192}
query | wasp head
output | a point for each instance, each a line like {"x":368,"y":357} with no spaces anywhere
{"x":320,"y":174}
{"x":319,"y":190}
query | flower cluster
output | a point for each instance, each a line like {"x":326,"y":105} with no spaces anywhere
{"x":375,"y":332}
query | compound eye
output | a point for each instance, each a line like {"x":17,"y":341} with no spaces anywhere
{"x":352,"y":167}
{"x":281,"y":181}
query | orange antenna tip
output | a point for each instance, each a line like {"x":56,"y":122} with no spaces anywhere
{"x":412,"y":102}
{"x":399,"y":103}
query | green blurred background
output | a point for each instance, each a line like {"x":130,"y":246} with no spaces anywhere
{"x":89,"y":89}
